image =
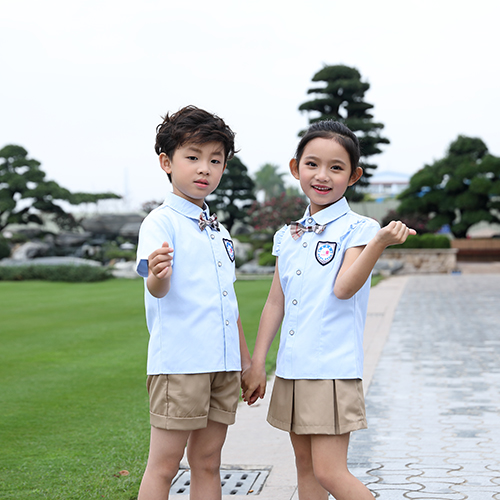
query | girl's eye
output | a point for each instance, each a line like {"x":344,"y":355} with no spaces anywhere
{"x":311,"y":164}
{"x":336,"y":167}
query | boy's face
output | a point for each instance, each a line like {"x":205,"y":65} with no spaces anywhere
{"x":196,"y":170}
{"x":324,"y":172}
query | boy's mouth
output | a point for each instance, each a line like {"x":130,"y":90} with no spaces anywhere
{"x":201,"y":182}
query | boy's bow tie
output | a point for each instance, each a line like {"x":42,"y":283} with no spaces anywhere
{"x":212,"y":222}
{"x":297,"y":229}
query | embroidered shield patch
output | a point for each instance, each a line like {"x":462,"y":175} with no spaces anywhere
{"x":229,"y":248}
{"x":325,"y":251}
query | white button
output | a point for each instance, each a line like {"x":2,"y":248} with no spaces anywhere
{"x":227,"y":322}
{"x":294,"y":302}
{"x":304,"y":244}
{"x":291,"y":332}
{"x":212,"y":236}
{"x":299,"y":272}
{"x":224,"y":293}
{"x":219,"y":263}
{"x":309,"y":220}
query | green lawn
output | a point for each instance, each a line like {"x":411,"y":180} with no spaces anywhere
{"x":73,"y":401}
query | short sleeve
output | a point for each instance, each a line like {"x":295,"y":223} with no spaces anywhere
{"x":362,"y":232}
{"x":277,"y":240}
{"x":152,"y":234}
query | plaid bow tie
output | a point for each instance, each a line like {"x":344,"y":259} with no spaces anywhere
{"x":297,"y":229}
{"x":212,"y":222}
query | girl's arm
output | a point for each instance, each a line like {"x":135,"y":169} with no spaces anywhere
{"x":254,"y":379}
{"x":360,"y":261}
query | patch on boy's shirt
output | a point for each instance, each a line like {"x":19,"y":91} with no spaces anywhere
{"x":229,"y":248}
{"x":325,"y":252}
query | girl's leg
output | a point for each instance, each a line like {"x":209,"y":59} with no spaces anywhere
{"x":165,"y":453}
{"x":308,"y":486}
{"x":329,"y":455}
{"x":204,"y":456}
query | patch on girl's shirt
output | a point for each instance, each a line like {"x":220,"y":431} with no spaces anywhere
{"x":229,"y":248}
{"x":325,"y":251}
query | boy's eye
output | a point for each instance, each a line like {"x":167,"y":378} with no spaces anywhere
{"x":216,"y":161}
{"x":193,"y":158}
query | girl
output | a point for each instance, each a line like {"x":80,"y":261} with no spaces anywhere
{"x":319,"y":296}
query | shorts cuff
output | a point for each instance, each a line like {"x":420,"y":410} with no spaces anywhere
{"x":221,"y":416}
{"x":177,"y":424}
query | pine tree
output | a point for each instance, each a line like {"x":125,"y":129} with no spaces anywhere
{"x":341,"y":98}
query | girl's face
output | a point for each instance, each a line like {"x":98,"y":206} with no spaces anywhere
{"x":324,"y":172}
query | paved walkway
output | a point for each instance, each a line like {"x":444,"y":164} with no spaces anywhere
{"x":432,"y":383}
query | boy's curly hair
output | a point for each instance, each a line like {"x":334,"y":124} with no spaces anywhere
{"x":193,"y":125}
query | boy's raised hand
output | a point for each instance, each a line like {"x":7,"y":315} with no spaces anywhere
{"x":394,"y":233}
{"x":160,"y":262}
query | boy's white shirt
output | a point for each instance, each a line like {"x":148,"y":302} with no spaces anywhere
{"x":321,"y":335}
{"x":193,"y":329}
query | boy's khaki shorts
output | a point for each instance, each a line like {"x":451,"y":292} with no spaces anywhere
{"x":317,"y":406}
{"x":187,"y":402}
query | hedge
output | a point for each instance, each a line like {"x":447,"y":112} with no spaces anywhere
{"x":427,"y":240}
{"x":75,"y":274}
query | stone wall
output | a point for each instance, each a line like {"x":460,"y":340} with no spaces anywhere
{"x":417,"y":261}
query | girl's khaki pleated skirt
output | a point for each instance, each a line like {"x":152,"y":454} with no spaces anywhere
{"x":317,"y":406}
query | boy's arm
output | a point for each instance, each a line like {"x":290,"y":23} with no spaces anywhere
{"x":160,"y":271}
{"x":245,"y":353}
{"x":360,"y":261}
{"x":254,"y":379}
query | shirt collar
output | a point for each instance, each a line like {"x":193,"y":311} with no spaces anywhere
{"x":329,"y":214}
{"x":185,"y":207}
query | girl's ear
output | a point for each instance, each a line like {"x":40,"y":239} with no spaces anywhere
{"x":294,"y":168}
{"x":356,"y":175}
{"x":165,"y":164}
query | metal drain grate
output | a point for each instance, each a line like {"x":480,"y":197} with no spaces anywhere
{"x":233,"y":481}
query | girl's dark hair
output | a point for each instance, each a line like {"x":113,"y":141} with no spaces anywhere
{"x":330,"y":129}
{"x":196,"y":126}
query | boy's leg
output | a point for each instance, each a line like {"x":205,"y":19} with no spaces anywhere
{"x":204,"y":456}
{"x":329,"y":455}
{"x":308,"y":486}
{"x":165,"y":453}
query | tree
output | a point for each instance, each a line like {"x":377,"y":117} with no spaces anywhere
{"x":234,"y":195}
{"x":341,"y":98}
{"x":25,"y":194}
{"x":460,"y":190}
{"x":269,"y":180}
{"x":274,"y":213}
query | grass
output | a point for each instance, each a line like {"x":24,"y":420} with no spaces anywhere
{"x":73,"y":401}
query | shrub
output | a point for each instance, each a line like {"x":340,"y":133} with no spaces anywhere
{"x":427,"y":240}
{"x":267,"y":259}
{"x":4,"y":248}
{"x":75,"y":274}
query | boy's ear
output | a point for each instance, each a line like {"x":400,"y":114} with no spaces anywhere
{"x":356,"y":175}
{"x":165,"y":163}
{"x":294,"y":168}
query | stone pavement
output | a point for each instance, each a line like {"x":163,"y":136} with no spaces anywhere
{"x":432,"y":384}
{"x":434,"y":403}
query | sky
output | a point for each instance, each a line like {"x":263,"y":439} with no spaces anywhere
{"x":84,"y":83}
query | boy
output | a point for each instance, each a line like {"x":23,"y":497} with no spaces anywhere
{"x":197,"y":347}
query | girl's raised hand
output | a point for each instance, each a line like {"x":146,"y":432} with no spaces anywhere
{"x":394,"y":233}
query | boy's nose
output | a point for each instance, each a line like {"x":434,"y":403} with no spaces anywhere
{"x":203,"y":167}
